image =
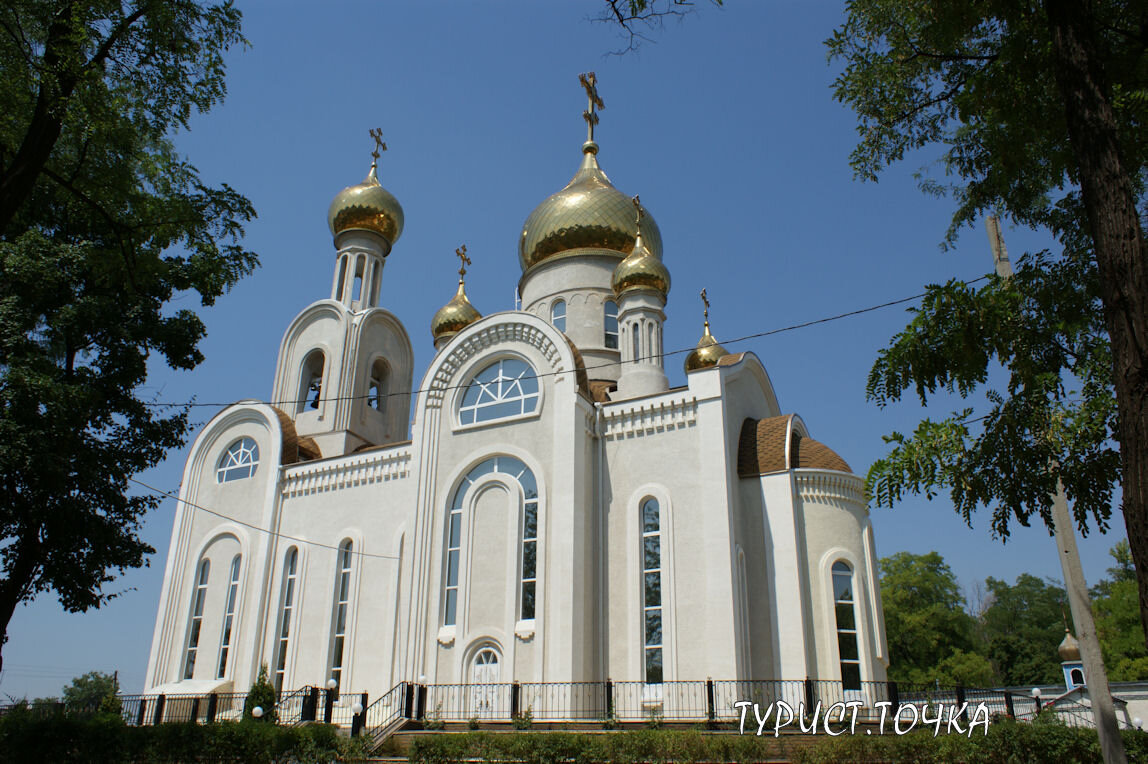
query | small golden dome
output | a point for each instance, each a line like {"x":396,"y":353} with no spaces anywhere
{"x":367,"y":206}
{"x":706,"y":354}
{"x":641,"y":270}
{"x":588,"y":214}
{"x":1069,"y":649}
{"x":455,"y":316}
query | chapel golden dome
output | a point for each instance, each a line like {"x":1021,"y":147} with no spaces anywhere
{"x":640,"y":269}
{"x":457,"y":314}
{"x":1069,"y":649}
{"x":589,"y":215}
{"x":367,"y":206}
{"x":708,"y":352}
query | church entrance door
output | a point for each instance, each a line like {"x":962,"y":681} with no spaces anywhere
{"x":484,"y":691}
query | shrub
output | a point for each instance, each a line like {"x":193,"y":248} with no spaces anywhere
{"x":261,"y":694}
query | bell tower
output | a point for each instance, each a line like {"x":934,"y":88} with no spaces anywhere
{"x":345,"y":364}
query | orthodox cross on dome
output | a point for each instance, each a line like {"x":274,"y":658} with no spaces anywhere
{"x":706,"y":312}
{"x":377,"y":134}
{"x":638,"y":207}
{"x":590,"y":83}
{"x":464,"y":261}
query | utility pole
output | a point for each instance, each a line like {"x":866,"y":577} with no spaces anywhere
{"x":1095,"y":677}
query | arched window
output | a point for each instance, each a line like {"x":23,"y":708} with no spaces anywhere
{"x":377,"y":386}
{"x":637,"y":333}
{"x":195,"y":623}
{"x":238,"y":462}
{"x":610,"y":312}
{"x":228,"y":618}
{"x":311,"y":381}
{"x":653,"y":351}
{"x":485,"y":672}
{"x":505,"y":388}
{"x":843,"y":605}
{"x":342,"y":278}
{"x":528,"y":579}
{"x":339,"y":618}
{"x":286,"y":609}
{"x":652,"y":589}
{"x":558,"y":315}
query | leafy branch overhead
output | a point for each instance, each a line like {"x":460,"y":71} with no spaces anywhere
{"x":1044,"y":330}
{"x":102,"y":223}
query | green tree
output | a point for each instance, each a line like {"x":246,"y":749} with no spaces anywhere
{"x":102,"y":222}
{"x":88,"y":692}
{"x":1022,"y":627}
{"x":261,"y":695}
{"x":925,"y":619}
{"x":1118,"y":620}
{"x":1039,"y":110}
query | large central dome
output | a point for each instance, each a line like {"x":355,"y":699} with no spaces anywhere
{"x":588,"y":214}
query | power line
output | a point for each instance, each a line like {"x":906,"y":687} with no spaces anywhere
{"x":539,"y":375}
{"x":261,"y":529}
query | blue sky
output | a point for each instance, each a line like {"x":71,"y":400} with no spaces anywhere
{"x":726,"y":127}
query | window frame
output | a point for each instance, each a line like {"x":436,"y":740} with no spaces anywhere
{"x":657,"y":609}
{"x":226,"y":635}
{"x":481,"y":366}
{"x":288,"y":597}
{"x":195,"y":617}
{"x":849,"y":634}
{"x":344,"y":570}
{"x":231,"y":460}
{"x":556,"y":317}
{"x":609,"y":316}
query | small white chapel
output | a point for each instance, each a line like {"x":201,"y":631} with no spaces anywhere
{"x":538,"y":506}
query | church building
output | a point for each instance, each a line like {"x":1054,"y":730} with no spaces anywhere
{"x":538,"y":505}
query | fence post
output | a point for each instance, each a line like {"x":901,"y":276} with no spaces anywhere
{"x":408,"y":700}
{"x":212,"y":706}
{"x":358,"y":719}
{"x":1008,"y":705}
{"x":310,"y":706}
{"x":140,"y":717}
{"x":960,"y":700}
{"x":515,"y":699}
{"x":328,"y":705}
{"x":159,"y":702}
{"x":609,"y":688}
{"x":194,"y":710}
{"x":421,"y":706}
{"x":808,"y":693}
{"x":710,"y":714}
{"x":894,"y":695}
{"x":1035,"y":703}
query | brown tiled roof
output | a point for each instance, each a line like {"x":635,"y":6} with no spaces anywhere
{"x":761,"y":446}
{"x":579,"y":369}
{"x":600,"y":389}
{"x":761,"y":449}
{"x":309,"y":449}
{"x":730,"y":359}
{"x":290,"y":452}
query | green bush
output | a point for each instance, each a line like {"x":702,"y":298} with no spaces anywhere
{"x":26,"y":736}
{"x":261,"y":694}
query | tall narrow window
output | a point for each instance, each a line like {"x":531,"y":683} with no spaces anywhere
{"x":610,"y":310}
{"x":238,"y":462}
{"x":342,"y":602}
{"x":342,"y":278}
{"x":286,"y":609}
{"x":637,"y":333}
{"x":357,"y":286}
{"x":843,"y":605}
{"x":196,"y":622}
{"x":652,"y":352}
{"x":652,"y":588}
{"x":377,"y":387}
{"x":528,"y":580}
{"x":558,"y":315}
{"x":228,"y":618}
{"x":311,"y":381}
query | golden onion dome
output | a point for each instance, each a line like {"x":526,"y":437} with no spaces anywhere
{"x":1069,"y":649}
{"x":367,"y":206}
{"x":640,"y":270}
{"x":455,"y":316}
{"x":588,"y":214}
{"x":706,"y":354}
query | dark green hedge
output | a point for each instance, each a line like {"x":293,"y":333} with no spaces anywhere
{"x":1006,"y":742}
{"x":29,"y":737}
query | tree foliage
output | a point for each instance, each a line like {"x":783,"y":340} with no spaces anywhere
{"x":1118,"y":619}
{"x":90,"y":691}
{"x":102,"y":223}
{"x":1038,"y":111}
{"x":1022,"y":627}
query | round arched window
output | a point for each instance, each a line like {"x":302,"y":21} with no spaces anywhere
{"x":239,"y":462}
{"x":505,"y":388}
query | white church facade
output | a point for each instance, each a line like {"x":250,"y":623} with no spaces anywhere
{"x":541,"y":507}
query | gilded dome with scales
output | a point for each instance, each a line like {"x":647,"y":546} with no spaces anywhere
{"x":640,"y":269}
{"x":588,"y":214}
{"x":367,"y":206}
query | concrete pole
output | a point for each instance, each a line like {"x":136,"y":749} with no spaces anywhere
{"x":1095,"y":677}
